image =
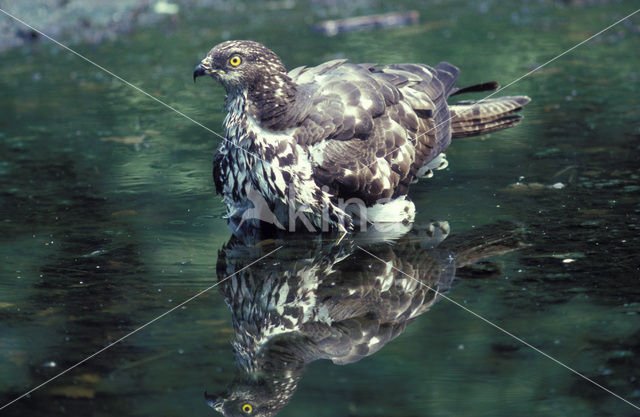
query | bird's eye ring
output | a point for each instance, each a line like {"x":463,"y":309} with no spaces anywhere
{"x":247,"y":408}
{"x":235,"y":60}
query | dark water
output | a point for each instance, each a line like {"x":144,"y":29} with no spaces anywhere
{"x":109,"y":220}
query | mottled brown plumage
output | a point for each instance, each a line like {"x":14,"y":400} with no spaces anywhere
{"x":338,"y":131}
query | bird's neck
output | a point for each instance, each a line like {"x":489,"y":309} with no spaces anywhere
{"x":269,"y":102}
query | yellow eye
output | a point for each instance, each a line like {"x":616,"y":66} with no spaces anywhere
{"x":247,"y":408}
{"x":235,"y":60}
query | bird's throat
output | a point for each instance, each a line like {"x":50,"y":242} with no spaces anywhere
{"x":236,"y":123}
{"x":246,"y":130}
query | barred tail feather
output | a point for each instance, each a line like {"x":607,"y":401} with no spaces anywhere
{"x":471,"y":118}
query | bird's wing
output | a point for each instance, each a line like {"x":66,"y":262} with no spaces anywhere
{"x":370,"y":129}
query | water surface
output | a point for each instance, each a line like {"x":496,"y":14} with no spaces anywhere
{"x":109,"y":219}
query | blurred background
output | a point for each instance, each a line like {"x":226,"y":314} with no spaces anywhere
{"x":108,"y":216}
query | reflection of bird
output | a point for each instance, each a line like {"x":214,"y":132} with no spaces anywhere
{"x":321,"y":301}
{"x":338,"y":130}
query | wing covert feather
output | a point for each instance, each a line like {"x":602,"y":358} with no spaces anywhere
{"x":361,"y":119}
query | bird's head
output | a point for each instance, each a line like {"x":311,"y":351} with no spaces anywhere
{"x":241,"y":65}
{"x":251,"y":70}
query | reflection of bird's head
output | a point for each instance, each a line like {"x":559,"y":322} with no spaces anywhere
{"x":240,"y":404}
{"x":246,"y":397}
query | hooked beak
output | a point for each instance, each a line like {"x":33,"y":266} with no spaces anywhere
{"x":212,"y":401}
{"x":198,"y":72}
{"x":203,"y":68}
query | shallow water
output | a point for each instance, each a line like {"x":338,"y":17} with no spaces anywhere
{"x":109,"y":220}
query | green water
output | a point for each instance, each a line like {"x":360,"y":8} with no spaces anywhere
{"x":109,"y":219}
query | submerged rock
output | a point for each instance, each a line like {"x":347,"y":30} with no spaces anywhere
{"x":351,"y":24}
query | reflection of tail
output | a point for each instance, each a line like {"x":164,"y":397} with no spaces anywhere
{"x":485,"y":241}
{"x":471,"y":118}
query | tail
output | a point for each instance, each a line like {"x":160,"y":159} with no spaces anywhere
{"x":471,"y":118}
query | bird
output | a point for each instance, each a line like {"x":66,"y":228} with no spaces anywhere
{"x":331,"y":300}
{"x":337,"y":145}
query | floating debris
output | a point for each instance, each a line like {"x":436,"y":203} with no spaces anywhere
{"x":127,"y":140}
{"x":571,"y":255}
{"x":72,"y":391}
{"x":88,"y":378}
{"x":95,"y":253}
{"x":521,"y":186}
{"x":533,"y":187}
{"x":352,"y":24}
{"x":124,"y":213}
